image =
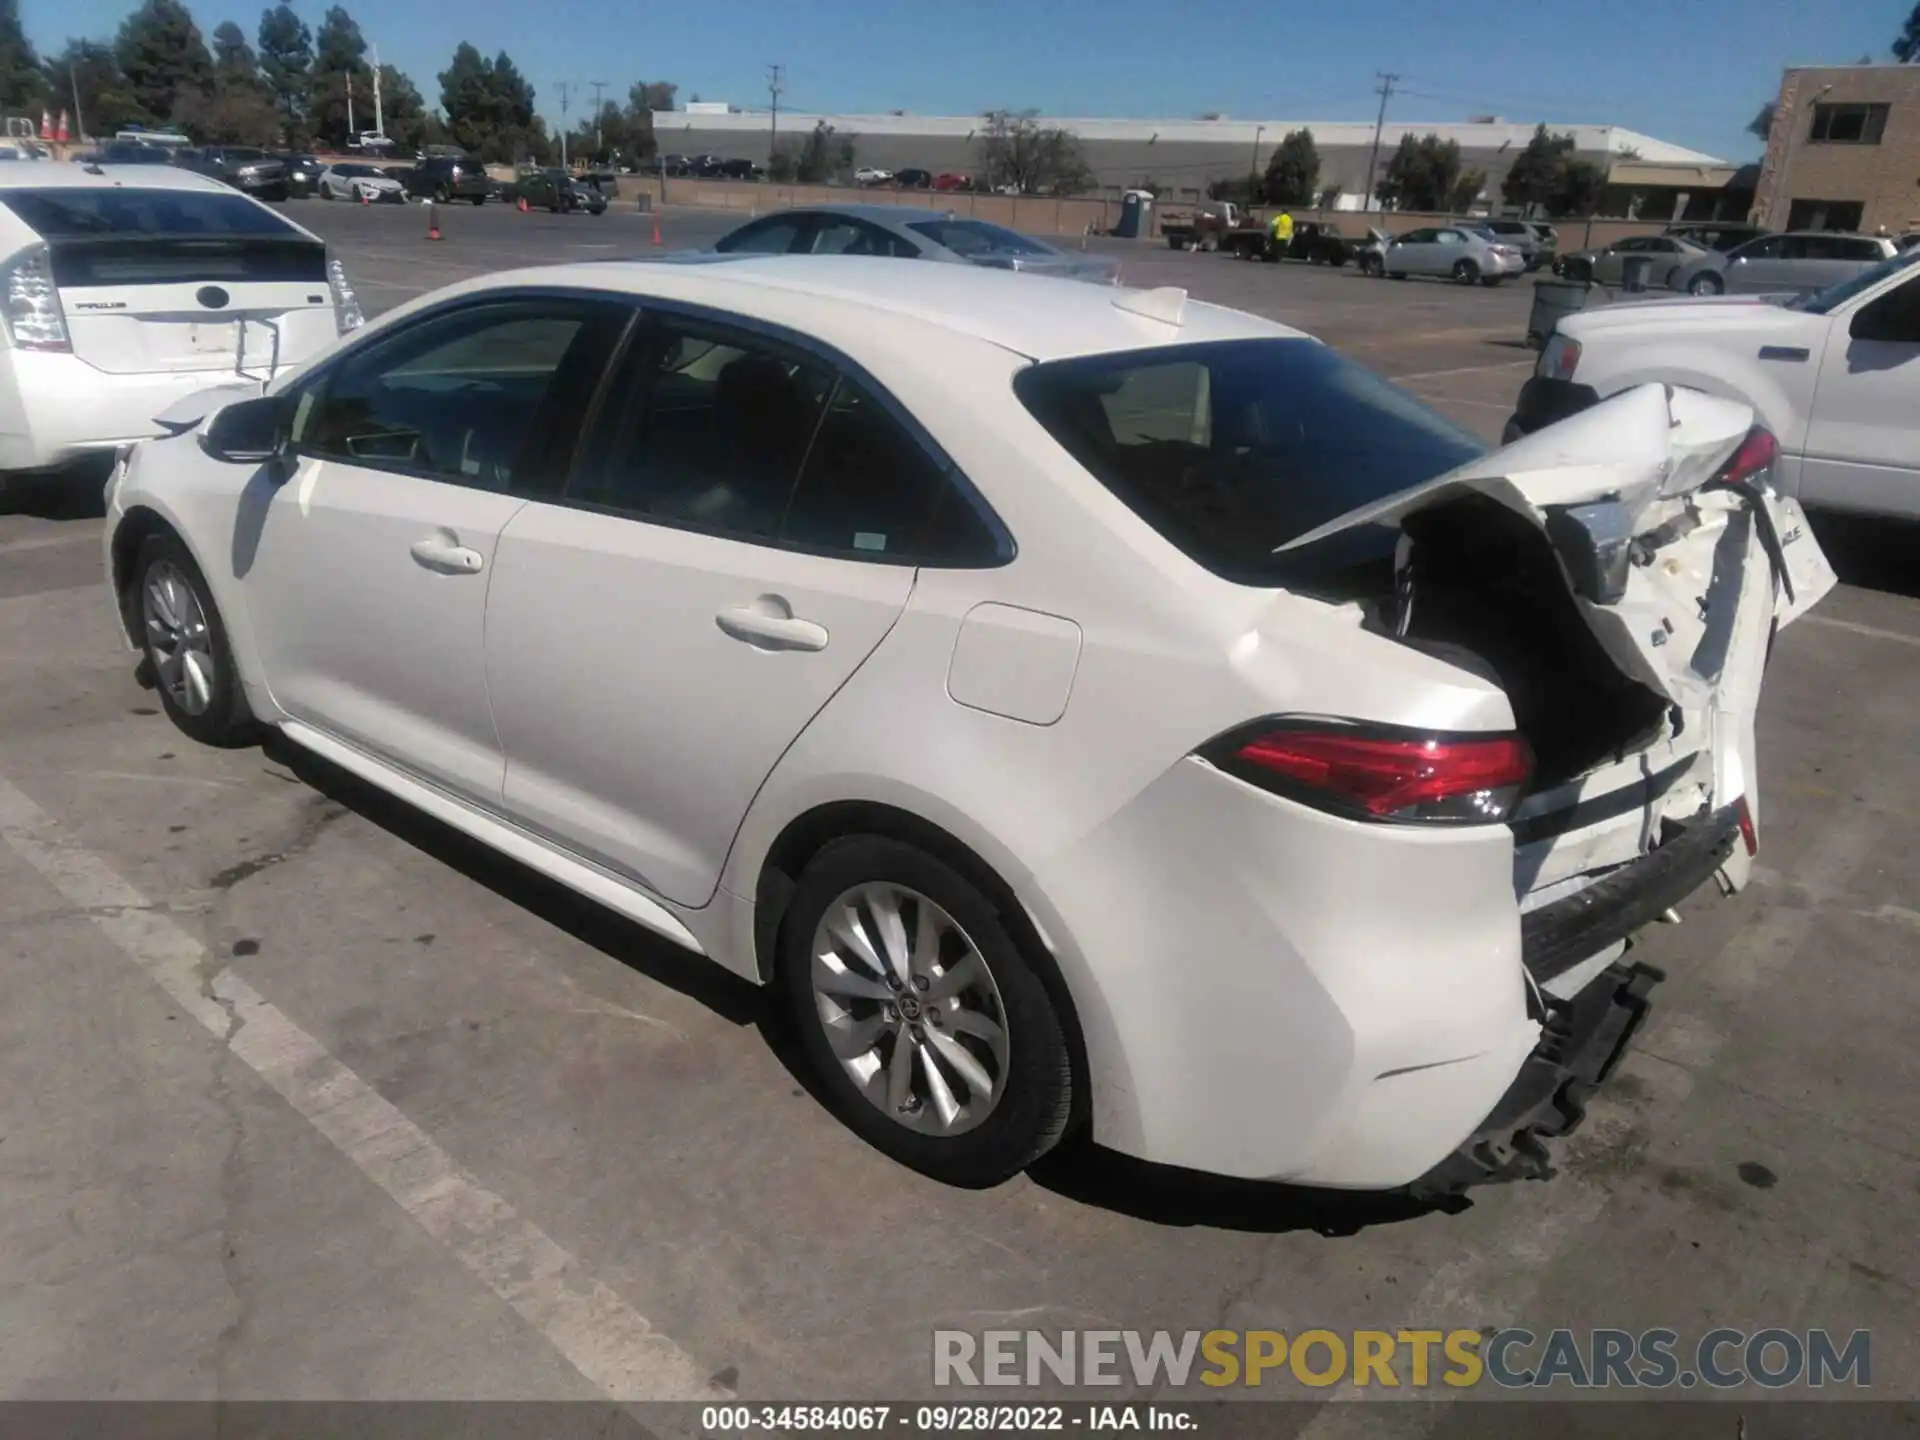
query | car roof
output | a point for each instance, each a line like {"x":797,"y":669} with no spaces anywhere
{"x":831,"y":296}
{"x":84,"y":177}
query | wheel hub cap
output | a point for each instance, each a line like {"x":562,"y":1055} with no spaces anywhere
{"x":178,"y":638}
{"x":910,"y":1009}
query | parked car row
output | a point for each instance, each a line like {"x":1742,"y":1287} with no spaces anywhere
{"x":1734,"y":260}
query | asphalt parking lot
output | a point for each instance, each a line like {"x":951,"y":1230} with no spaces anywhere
{"x":614,"y":1183}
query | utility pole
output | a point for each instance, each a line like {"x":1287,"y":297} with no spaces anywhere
{"x":1253,"y":165}
{"x":598,"y":87}
{"x":776,"y":82}
{"x":79,"y":125}
{"x":565,"y":88}
{"x":1386,"y":89}
{"x":379,"y":115}
{"x":351,"y":136}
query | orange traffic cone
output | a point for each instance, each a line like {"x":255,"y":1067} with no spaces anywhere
{"x":523,"y":205}
{"x":363,"y":198}
{"x":656,"y":229}
{"x":433,"y":222}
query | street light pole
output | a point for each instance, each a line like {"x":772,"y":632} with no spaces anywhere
{"x":379,"y":116}
{"x":564,"y":88}
{"x":776,"y":76}
{"x":1253,"y":166}
{"x":598,"y":87}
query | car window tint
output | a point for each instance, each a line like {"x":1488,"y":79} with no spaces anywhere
{"x":851,"y":237}
{"x":476,"y":396}
{"x":1766,"y":248}
{"x":974,"y":238}
{"x":71,"y":212}
{"x":871,"y":491}
{"x":707,"y":429}
{"x":1232,"y":449}
{"x":769,"y":237}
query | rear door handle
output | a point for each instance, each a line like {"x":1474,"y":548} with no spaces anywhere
{"x":771,"y":632}
{"x":447,"y":557}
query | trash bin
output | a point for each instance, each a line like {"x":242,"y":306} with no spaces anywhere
{"x":1136,"y":216}
{"x":1635,"y":273}
{"x":1551,"y":300}
{"x":643,"y":202}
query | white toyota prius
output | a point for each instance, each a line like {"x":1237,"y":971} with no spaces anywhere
{"x":128,"y":287}
{"x":1098,"y":712}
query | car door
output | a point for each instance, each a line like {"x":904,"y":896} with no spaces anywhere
{"x":1610,"y":265}
{"x":1761,"y":265}
{"x":1411,"y":253}
{"x":365,"y":571}
{"x":740,"y":533}
{"x":1863,"y":432}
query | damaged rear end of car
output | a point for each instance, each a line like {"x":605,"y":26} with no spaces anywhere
{"x":1621,"y":576}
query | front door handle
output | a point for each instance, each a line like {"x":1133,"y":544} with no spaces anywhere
{"x":449,"y":558}
{"x":771,"y":632}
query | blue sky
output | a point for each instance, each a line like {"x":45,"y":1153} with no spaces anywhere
{"x":1689,"y":71}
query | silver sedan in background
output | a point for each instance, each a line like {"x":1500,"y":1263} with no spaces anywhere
{"x":1799,"y":262}
{"x":911,"y":232}
{"x":1462,"y":253}
{"x":1607,"y":264}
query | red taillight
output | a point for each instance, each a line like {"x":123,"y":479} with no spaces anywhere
{"x":1756,"y":455}
{"x":1384,"y":776}
{"x":1749,"y":836}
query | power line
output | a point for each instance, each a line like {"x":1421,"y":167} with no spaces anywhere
{"x":1380,"y":122}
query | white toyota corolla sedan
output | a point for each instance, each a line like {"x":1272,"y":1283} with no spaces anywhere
{"x":1097,"y":711}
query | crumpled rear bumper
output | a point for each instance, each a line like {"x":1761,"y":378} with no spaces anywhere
{"x":1581,"y":1042}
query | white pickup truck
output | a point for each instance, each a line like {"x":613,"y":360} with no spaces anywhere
{"x":1834,"y":375}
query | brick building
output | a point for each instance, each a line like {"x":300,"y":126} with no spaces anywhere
{"x":1844,"y":151}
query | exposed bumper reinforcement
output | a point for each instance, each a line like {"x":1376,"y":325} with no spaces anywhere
{"x":1581,"y":1041}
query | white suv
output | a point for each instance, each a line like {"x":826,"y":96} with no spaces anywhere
{"x":127,"y":288}
{"x":1832,"y":375}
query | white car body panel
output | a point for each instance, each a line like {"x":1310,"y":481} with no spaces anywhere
{"x":1842,"y":408}
{"x":1217,"y":942}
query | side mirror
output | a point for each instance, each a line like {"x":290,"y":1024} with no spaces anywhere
{"x":250,"y":432}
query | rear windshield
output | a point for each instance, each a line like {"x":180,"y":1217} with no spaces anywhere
{"x":72,"y":212}
{"x":1233,"y":449}
{"x":977,"y":237}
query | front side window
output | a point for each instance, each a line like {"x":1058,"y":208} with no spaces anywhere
{"x":1767,"y":247}
{"x":479,"y":396}
{"x":1232,"y":449}
{"x":852,"y":237}
{"x":769,"y":237}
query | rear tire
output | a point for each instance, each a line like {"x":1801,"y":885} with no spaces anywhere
{"x":1004,"y":1014}
{"x":1465,"y":272}
{"x":479,"y":199}
{"x":185,"y":644}
{"x":1707,"y":284}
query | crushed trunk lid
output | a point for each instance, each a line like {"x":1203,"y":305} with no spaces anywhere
{"x":1681,"y":576}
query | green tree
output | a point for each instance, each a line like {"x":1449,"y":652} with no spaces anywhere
{"x":489,"y":107}
{"x":1293,"y":170}
{"x":403,"y":110}
{"x":1466,"y":191}
{"x":1906,"y":45}
{"x":1423,"y":174}
{"x":1530,"y":180}
{"x":342,"y":86}
{"x":1017,"y":151}
{"x":812,"y":159}
{"x":23,"y":85}
{"x":89,"y":69}
{"x":164,"y":59}
{"x":1578,"y":193}
{"x":286,"y":60}
{"x":652,"y":95}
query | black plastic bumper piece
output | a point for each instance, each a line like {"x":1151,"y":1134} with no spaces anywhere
{"x":1545,"y":399}
{"x":1557,"y":937}
{"x":1581,"y":1042}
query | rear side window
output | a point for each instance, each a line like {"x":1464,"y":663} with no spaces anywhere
{"x":871,"y":491}
{"x":769,"y":237}
{"x":73,"y":212}
{"x":1231,"y":450}
{"x":976,"y":237}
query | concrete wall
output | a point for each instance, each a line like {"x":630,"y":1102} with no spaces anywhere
{"x":1036,"y":215}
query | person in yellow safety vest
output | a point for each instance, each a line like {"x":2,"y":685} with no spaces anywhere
{"x":1282,"y":230}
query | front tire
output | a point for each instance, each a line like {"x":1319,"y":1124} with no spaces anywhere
{"x":186,"y":645}
{"x":1371,"y":265}
{"x":932,"y":1037}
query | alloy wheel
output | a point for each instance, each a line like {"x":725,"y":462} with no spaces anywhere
{"x":910,"y":1009}
{"x":178,"y":638}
